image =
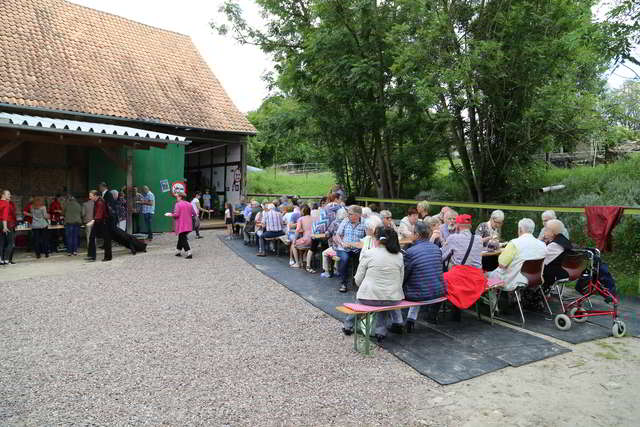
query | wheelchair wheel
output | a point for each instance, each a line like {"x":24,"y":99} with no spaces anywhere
{"x":577,"y":310}
{"x":619,"y":329}
{"x":562,"y":322}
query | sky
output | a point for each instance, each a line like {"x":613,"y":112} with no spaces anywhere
{"x":238,"y":68}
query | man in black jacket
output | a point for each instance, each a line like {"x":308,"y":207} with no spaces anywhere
{"x":557,"y":247}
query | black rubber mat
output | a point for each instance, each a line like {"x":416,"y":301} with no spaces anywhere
{"x":447,"y":353}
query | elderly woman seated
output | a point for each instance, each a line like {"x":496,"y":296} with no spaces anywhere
{"x":433,"y":225}
{"x":423,"y":209}
{"x":407,"y":224}
{"x":379,"y":279}
{"x":368,"y":241}
{"x":387,"y":220}
{"x":304,"y":229}
{"x":449,"y":226}
{"x":557,"y":247}
{"x":490,"y":231}
{"x":546,"y":217}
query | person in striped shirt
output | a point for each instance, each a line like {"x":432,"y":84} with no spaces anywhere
{"x":272,"y":220}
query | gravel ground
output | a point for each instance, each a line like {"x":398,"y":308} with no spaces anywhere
{"x":158,"y":339}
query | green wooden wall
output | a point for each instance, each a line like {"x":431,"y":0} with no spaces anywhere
{"x":150,"y":166}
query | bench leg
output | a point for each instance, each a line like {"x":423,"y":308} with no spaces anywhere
{"x":368,"y":321}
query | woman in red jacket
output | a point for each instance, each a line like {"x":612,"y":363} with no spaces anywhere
{"x":7,"y":228}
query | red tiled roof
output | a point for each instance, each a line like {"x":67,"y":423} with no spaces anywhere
{"x":58,"y":55}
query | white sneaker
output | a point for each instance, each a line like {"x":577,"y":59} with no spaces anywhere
{"x":325,"y":275}
{"x":291,"y":262}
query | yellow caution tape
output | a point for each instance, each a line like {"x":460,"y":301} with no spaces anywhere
{"x":570,"y":209}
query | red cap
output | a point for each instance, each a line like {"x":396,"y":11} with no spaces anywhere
{"x":463,"y":219}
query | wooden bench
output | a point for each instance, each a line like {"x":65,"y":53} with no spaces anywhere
{"x":366,"y":315}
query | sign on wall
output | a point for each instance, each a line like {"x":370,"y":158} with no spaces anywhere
{"x":164,"y":185}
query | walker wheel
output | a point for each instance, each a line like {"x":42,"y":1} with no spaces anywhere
{"x":619,"y":329}
{"x":578,"y":311}
{"x":562,"y":322}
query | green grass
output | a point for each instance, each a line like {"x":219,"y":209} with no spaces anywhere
{"x":313,"y":184}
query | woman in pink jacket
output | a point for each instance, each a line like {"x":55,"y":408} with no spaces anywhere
{"x":182,"y":225}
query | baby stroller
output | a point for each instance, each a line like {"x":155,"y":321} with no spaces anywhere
{"x":594,"y":281}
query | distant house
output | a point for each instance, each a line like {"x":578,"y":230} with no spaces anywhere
{"x":87,"y":96}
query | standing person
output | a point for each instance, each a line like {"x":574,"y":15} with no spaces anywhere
{"x":72,"y":221}
{"x":148,"y":209}
{"x":228,"y":220}
{"x":182,"y":224}
{"x":99,"y":224}
{"x":135,"y":210}
{"x":121,"y":208}
{"x":206,"y":201}
{"x":8,"y":222}
{"x":39,"y":227}
{"x":55,"y":211}
{"x":26,"y":211}
{"x":87,"y":217}
{"x":195,"y":203}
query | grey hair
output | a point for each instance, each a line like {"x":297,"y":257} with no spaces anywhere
{"x":386,"y":214}
{"x":355,"y":209}
{"x":366,"y":212}
{"x":498,"y":215}
{"x":422,"y":230}
{"x":526,"y":225}
{"x":114,"y":193}
{"x":341,"y":214}
{"x":373,"y":222}
{"x":549,"y":214}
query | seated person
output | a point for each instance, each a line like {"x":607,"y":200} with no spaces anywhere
{"x":349,"y":233}
{"x":379,"y":281}
{"x":546,"y":217}
{"x":525,"y":247}
{"x":557,"y":247}
{"x":304,"y":230}
{"x":407,"y":224}
{"x":423,"y":209}
{"x":368,"y":241}
{"x":433,"y":224}
{"x":458,"y":249}
{"x":272,"y":226}
{"x":465,"y":278}
{"x":250,"y":226}
{"x":490,"y":231}
{"x":449,"y":226}
{"x":423,"y":278}
{"x":331,"y":251}
{"x":387,"y":220}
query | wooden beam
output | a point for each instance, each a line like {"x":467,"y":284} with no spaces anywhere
{"x":113,"y":156}
{"x":6,"y":148}
{"x":81,"y":140}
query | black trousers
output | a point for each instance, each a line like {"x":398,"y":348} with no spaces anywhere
{"x":101,"y":228}
{"x":7,"y":243}
{"x":40,"y":240}
{"x":183,"y":243}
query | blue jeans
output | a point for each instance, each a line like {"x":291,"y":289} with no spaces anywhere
{"x":343,"y":269}
{"x":268,"y":235}
{"x":71,"y":232}
{"x":147,"y":222}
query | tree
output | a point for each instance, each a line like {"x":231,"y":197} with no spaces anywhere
{"x":284,"y":133}
{"x":334,"y":58}
{"x":507,"y":78}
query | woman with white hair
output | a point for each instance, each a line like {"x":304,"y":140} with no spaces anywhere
{"x":368,"y":242}
{"x":329,"y":253}
{"x":547,"y":216}
{"x":490,"y":231}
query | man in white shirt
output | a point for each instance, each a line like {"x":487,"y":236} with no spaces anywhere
{"x":195,"y":203}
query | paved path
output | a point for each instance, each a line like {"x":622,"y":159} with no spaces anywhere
{"x":153,"y":338}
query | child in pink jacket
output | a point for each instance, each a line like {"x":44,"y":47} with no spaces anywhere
{"x":182,"y":224}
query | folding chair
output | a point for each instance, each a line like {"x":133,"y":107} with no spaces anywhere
{"x":532,"y":271}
